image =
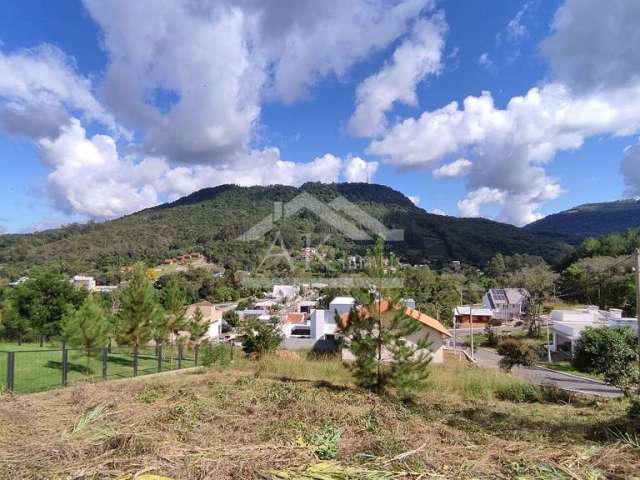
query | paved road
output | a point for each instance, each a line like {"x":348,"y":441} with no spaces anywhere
{"x":542,"y":376}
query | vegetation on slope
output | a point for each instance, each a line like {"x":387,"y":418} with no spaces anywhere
{"x":209,"y":220}
{"x":285,"y":415}
{"x":592,"y":219}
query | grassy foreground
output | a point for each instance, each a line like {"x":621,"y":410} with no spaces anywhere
{"x":304,"y":419}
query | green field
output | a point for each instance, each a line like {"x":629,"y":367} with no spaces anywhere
{"x":38,"y":369}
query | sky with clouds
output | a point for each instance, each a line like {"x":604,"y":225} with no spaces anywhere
{"x":506,"y":109}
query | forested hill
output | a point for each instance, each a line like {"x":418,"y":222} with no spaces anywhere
{"x":209,"y":220}
{"x":591,"y":220}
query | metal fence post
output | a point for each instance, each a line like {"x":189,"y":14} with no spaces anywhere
{"x":179,"y":356}
{"x":159,"y":353}
{"x":135,"y":361}
{"x":195,"y":354}
{"x":65,"y":364}
{"x":11,"y":361}
{"x":105,"y":358}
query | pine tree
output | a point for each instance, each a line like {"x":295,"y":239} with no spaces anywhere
{"x":139,"y":310}
{"x":174,"y":299}
{"x":197,"y":327}
{"x":87,"y":327}
{"x":377,"y":333}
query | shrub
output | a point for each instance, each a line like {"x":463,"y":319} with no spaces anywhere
{"x":219,"y":354}
{"x":517,"y":352}
{"x":260,"y":338}
{"x":520,"y":392}
{"x":598,"y":347}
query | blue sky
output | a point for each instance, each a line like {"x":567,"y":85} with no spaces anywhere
{"x":101,"y":115}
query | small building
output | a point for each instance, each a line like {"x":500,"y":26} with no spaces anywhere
{"x":430,"y":328}
{"x":463,"y":313}
{"x":566,"y":326}
{"x":341,"y":305}
{"x":307,"y":305}
{"x":82,"y":281}
{"x":285,"y":292}
{"x":210,"y":315}
{"x":265,"y":305}
{"x":506,"y":303}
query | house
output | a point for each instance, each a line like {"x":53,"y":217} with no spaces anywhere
{"x":284,"y":292}
{"x":81,"y":281}
{"x":295,"y":325}
{"x":463,"y":313}
{"x":341,"y":305}
{"x":430,"y":328}
{"x":307,"y":305}
{"x":253,"y":313}
{"x":506,"y":303}
{"x":265,"y":305}
{"x":210,"y":315}
{"x":566,"y":326}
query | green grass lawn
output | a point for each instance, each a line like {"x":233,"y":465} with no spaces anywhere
{"x":38,"y":369}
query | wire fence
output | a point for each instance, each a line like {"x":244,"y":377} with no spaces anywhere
{"x":27,"y":370}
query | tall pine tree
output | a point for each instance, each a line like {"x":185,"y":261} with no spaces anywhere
{"x":139,"y":310}
{"x":87,"y":327}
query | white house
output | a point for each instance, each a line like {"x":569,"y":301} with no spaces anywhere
{"x":282,"y":292}
{"x":341,"y":305}
{"x":265,"y":305}
{"x":210,"y":315}
{"x":566,"y":326}
{"x":430,"y":328}
{"x":506,"y":303}
{"x":81,"y":281}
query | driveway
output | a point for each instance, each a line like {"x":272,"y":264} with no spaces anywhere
{"x":543,"y":376}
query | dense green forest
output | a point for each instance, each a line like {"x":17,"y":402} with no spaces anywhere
{"x":591,"y":220}
{"x":209,"y":220}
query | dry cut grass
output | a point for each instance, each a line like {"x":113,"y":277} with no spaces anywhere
{"x":293,"y":418}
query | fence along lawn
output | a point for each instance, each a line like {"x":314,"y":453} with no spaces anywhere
{"x":38,"y":369}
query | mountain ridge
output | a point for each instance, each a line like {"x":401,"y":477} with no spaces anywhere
{"x":206,"y":220}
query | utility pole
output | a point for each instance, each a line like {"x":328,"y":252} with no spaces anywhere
{"x":637,"y":277}
{"x":471,"y":327}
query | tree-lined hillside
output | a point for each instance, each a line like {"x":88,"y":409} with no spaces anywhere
{"x":209,"y":220}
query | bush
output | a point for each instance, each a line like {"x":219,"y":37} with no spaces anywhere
{"x":260,"y":338}
{"x":219,"y":354}
{"x":520,"y":392}
{"x":598,"y":347}
{"x":517,"y":352}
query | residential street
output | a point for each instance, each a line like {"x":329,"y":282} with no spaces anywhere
{"x":488,"y":358}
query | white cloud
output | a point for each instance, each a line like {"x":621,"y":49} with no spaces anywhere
{"x":219,"y":60}
{"x":438,"y":211}
{"x":516,"y":28}
{"x":417,"y":57}
{"x":511,"y":145}
{"x":38,"y":86}
{"x":415,"y":199}
{"x":630,"y":169}
{"x":470,"y":206}
{"x":457,"y":168}
{"x":594,"y":44}
{"x":359,"y":170}
{"x":485,"y":61}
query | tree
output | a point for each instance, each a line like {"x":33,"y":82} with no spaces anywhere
{"x":517,"y":352}
{"x":197,"y":327}
{"x":538,"y":280}
{"x":231,"y":317}
{"x":174,"y":302}
{"x":260,"y":338}
{"x":139,"y":310}
{"x":38,"y":305}
{"x":379,"y":329}
{"x":87,"y":327}
{"x":610,"y":352}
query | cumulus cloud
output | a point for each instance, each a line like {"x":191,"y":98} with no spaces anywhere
{"x":419,"y":56}
{"x":38,"y":86}
{"x":470,"y":206}
{"x":594,"y":44}
{"x":217,"y":61}
{"x":438,"y":211}
{"x":457,"y":168}
{"x":630,"y":169}
{"x":511,"y":145}
{"x":359,"y":170}
{"x":415,"y":199}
